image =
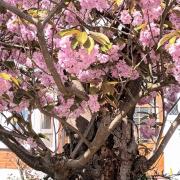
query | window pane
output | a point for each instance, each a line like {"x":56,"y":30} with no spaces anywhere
{"x":46,"y":122}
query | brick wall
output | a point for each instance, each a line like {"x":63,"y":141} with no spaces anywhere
{"x":8,"y":160}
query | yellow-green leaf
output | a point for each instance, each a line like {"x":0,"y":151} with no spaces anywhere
{"x":37,"y":13}
{"x":15,"y":81}
{"x":167,"y":37}
{"x":118,"y":2}
{"x":5,"y":76}
{"x":142,"y":26}
{"x":89,"y":44}
{"x":82,"y":37}
{"x":68,"y":32}
{"x":106,"y":47}
{"x":172,"y":40}
{"x":171,"y":172}
{"x":8,"y":77}
{"x":100,"y":38}
{"x":74,"y":43}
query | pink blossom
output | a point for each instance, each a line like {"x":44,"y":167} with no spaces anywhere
{"x":90,"y":75}
{"x":147,"y":99}
{"x":125,"y":17}
{"x":75,"y":61}
{"x":123,"y":70}
{"x":93,"y":103}
{"x":149,"y":4}
{"x":137,"y":18}
{"x":148,"y":35}
{"x":63,"y":110}
{"x":4,"y":86}
{"x":148,"y":129}
{"x":114,"y":52}
{"x":174,"y":18}
{"x":100,"y":5}
{"x":39,"y":60}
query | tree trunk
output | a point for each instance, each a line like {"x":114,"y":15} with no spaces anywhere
{"x":118,"y":165}
{"x":61,"y":176}
{"x":127,"y":150}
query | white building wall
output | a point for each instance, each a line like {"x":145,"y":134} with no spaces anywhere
{"x":172,"y":150}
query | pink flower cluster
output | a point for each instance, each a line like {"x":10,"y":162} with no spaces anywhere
{"x":137,"y":18}
{"x":147,"y":99}
{"x":125,"y":17}
{"x":27,"y":4}
{"x":171,"y":94}
{"x":151,"y":9}
{"x":90,"y":75}
{"x":149,"y":35}
{"x":93,"y":103}
{"x":175,"y":53}
{"x":75,"y":61}
{"x":63,"y":110}
{"x":123,"y":70}
{"x":175,"y":20}
{"x":148,"y":129}
{"x":28,"y":33}
{"x":100,"y":5}
{"x":4,"y":86}
{"x":39,"y":60}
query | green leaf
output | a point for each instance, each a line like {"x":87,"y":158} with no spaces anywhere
{"x":49,"y":107}
{"x":89,"y":44}
{"x":82,"y":37}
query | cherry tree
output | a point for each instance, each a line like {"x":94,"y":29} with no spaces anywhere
{"x":101,"y":56}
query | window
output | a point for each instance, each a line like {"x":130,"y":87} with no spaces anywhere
{"x":46,"y":129}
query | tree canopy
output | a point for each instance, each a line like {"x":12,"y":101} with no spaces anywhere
{"x":101,"y":56}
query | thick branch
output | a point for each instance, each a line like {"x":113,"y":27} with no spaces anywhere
{"x":89,"y":127}
{"x":51,"y":67}
{"x":164,"y":142}
{"x":164,"y":122}
{"x":17,"y":12}
{"x":12,"y":133}
{"x":49,"y":60}
{"x":99,"y":139}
